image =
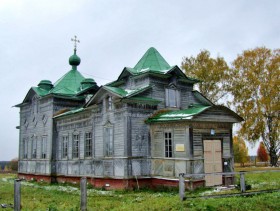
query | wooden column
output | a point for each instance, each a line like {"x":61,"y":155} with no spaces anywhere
{"x":83,"y":186}
{"x":182,"y":186}
{"x":17,"y":195}
{"x":242,"y":181}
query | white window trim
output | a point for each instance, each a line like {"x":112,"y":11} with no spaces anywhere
{"x":170,"y":143}
{"x":91,"y":145}
{"x":76,"y":148}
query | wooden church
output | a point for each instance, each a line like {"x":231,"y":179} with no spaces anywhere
{"x":142,"y":129}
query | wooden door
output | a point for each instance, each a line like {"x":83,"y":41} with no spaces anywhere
{"x":212,"y":162}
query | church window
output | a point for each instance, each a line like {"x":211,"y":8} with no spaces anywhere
{"x":109,"y":103}
{"x":35,"y":105}
{"x":88,"y":144}
{"x":25,"y":148}
{"x":76,"y":146}
{"x":44,"y":147}
{"x":108,"y":141}
{"x":64,"y":146}
{"x":172,"y":97}
{"x":34,"y":146}
{"x":168,"y":144}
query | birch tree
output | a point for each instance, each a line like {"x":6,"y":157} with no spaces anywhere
{"x":255,"y":85}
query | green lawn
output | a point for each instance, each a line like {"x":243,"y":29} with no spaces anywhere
{"x":35,"y":196}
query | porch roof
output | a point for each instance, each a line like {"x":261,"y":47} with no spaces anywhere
{"x":186,"y":114}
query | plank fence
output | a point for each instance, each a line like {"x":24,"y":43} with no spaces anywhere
{"x":182,"y":194}
{"x":190,"y":177}
{"x":17,"y":194}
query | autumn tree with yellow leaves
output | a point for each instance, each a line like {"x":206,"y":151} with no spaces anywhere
{"x":213,"y":73}
{"x":255,"y":85}
{"x":240,"y":150}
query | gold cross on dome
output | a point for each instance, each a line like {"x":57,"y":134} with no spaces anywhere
{"x":75,"y":40}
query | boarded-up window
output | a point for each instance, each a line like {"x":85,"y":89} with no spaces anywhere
{"x":168,"y":144}
{"x":88,"y":144}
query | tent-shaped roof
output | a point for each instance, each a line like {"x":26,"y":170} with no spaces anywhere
{"x":69,"y":84}
{"x":152,"y":60}
{"x":153,"y":63}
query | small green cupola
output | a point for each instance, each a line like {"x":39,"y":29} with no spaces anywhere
{"x":74,"y":60}
{"x":45,"y":84}
{"x":87,"y":82}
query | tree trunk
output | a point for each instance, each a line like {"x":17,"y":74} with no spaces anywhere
{"x":273,"y":158}
{"x":272,"y":149}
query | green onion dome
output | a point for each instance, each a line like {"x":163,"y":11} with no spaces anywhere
{"x":74,"y":60}
{"x":45,"y":84}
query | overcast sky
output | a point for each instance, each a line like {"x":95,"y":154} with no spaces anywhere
{"x":35,"y":40}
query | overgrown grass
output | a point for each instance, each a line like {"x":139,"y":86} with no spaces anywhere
{"x":37,"y":196}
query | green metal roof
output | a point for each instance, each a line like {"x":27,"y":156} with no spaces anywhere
{"x":154,"y":64}
{"x":39,"y":91}
{"x":126,"y":92}
{"x":186,"y":114}
{"x":76,"y":110}
{"x":152,"y":60}
{"x":68,"y":84}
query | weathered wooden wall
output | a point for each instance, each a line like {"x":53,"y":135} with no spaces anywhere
{"x":191,"y":135}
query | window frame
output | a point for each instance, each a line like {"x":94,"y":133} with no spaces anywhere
{"x":34,"y":147}
{"x":88,"y":145}
{"x":171,"y":92}
{"x":108,"y":141}
{"x":25,"y":148}
{"x":168,"y":144}
{"x":44,"y":147}
{"x":109,"y":103}
{"x":76,"y":146}
{"x":64,"y":146}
